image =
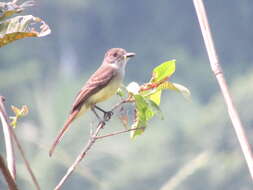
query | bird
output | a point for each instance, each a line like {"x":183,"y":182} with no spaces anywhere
{"x":102,"y":85}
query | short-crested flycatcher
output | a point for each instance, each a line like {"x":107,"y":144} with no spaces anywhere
{"x":101,"y":85}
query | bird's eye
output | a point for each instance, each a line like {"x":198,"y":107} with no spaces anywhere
{"x":115,"y":54}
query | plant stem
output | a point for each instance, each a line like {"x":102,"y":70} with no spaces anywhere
{"x":93,"y":137}
{"x":91,"y":141}
{"x":217,"y":70}
{"x":7,"y":175}
{"x":119,"y":132}
{"x":10,"y":155}
{"x":28,"y":167}
{"x":14,"y":137}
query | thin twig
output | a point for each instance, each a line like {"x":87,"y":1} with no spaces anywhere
{"x":10,"y":155}
{"x":215,"y":65}
{"x":14,"y":137}
{"x":7,"y":175}
{"x":119,"y":132}
{"x":128,"y":100}
{"x":28,"y":167}
{"x":93,"y":137}
{"x":91,"y":141}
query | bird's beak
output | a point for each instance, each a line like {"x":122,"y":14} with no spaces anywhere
{"x":129,"y":55}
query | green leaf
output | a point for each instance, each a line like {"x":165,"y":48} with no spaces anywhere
{"x":156,"y":109}
{"x":21,"y":27}
{"x":141,"y":115}
{"x":137,"y":132}
{"x":120,"y":92}
{"x":145,"y":110}
{"x":156,"y":96}
{"x":163,"y":71}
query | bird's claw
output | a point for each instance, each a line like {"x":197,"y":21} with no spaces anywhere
{"x":108,"y":115}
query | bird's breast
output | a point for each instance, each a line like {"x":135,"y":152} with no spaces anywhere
{"x":109,"y":90}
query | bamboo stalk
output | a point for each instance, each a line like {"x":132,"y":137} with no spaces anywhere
{"x":217,"y":70}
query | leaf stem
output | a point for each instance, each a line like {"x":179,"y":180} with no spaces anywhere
{"x":119,"y":132}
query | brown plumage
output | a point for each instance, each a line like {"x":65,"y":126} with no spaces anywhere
{"x":100,"y":86}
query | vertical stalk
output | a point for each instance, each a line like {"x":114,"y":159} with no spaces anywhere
{"x":217,"y":70}
{"x":7,"y":175}
{"x":10,"y":156}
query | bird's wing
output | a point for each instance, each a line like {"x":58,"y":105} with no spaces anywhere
{"x":96,"y":82}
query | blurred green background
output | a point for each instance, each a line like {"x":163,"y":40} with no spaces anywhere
{"x":193,"y":148}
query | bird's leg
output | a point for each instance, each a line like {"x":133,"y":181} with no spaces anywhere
{"x":100,"y":109}
{"x":107,"y":114}
{"x":96,"y":114}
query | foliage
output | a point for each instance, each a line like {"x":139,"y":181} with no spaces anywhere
{"x":147,"y":97}
{"x":10,"y":8}
{"x":83,"y":30}
{"x":18,"y":114}
{"x":20,"y":26}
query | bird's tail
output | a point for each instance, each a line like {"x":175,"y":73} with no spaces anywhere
{"x":71,"y":117}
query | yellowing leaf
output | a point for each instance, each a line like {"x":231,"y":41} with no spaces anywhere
{"x":156,"y":97}
{"x":24,"y":110}
{"x":183,"y":90}
{"x":13,"y":121}
{"x":18,"y":113}
{"x":166,"y":86}
{"x":15,"y":110}
{"x":155,"y":94}
{"x":7,"y":9}
{"x":163,"y":71}
{"x":174,"y":86}
{"x":21,"y":27}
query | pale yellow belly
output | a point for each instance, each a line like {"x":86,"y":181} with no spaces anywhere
{"x":106,"y":92}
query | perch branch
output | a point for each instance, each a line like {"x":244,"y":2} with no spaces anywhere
{"x":93,"y":137}
{"x":91,"y":141}
{"x":217,"y":70}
